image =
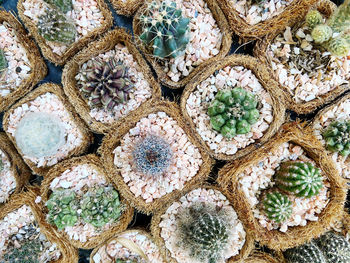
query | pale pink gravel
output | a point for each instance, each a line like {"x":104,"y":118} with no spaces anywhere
{"x":258,"y":177}
{"x":116,"y":250}
{"x":7,"y":178}
{"x":208,"y":196}
{"x":334,"y":113}
{"x":51,"y":104}
{"x":139,"y":94}
{"x":85,"y":14}
{"x":186,"y":159}
{"x":16,"y":57}
{"x":200,"y":99}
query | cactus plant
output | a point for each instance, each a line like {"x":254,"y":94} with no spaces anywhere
{"x":118,"y":260}
{"x":3,"y":62}
{"x":105,"y":83}
{"x":337,"y":137}
{"x":100,"y":205}
{"x":26,"y":251}
{"x":54,"y":26}
{"x":63,"y":5}
{"x":277,"y":206}
{"x":306,"y":253}
{"x":39,"y":134}
{"x":62,"y":206}
{"x":334,"y":247}
{"x":233,"y":112}
{"x":164,"y":29}
{"x":321,"y":33}
{"x":313,"y":18}
{"x":152,"y":155}
{"x":299,"y":178}
{"x":1,"y":165}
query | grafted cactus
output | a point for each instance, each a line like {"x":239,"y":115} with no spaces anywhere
{"x":63,"y":5}
{"x":337,"y":137}
{"x":278,"y":207}
{"x":306,"y":253}
{"x":334,"y":247}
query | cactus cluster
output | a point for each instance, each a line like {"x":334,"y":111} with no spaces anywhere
{"x":337,"y":137}
{"x":152,"y":155}
{"x":105,"y":83}
{"x":164,"y":29}
{"x":63,"y":5}
{"x":329,"y":248}
{"x":40,"y":134}
{"x":233,"y":112}
{"x":3,"y":62}
{"x":277,"y":206}
{"x":334,"y":33}
{"x":26,"y":251}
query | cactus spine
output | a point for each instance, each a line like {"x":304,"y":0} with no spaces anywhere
{"x":337,"y":137}
{"x":278,"y":207}
{"x":306,"y":253}
{"x":27,"y":251}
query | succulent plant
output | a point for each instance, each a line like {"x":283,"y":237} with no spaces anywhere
{"x":277,"y":206}
{"x":28,"y":251}
{"x":299,"y":178}
{"x":105,"y":83}
{"x":313,"y":18}
{"x":3,"y":62}
{"x":54,"y":26}
{"x":62,"y":206}
{"x":339,"y":46}
{"x":337,"y":137}
{"x":63,"y":5}
{"x":321,"y":33}
{"x":306,"y":253}
{"x":334,"y":247}
{"x":100,"y":205}
{"x":39,"y":134}
{"x":233,"y":112}
{"x":164,"y":29}
{"x":152,"y":155}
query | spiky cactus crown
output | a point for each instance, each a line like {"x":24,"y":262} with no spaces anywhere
{"x":26,"y":251}
{"x":63,"y":5}
{"x":40,"y":134}
{"x":164,"y":29}
{"x":152,"y":155}
{"x":3,"y":62}
{"x":299,"y":178}
{"x":337,"y":137}
{"x":277,"y":206}
{"x":233,"y":111}
{"x":105,"y":83}
{"x":306,"y":253}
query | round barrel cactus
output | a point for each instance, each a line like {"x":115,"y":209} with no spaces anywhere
{"x":299,"y":178}
{"x":334,"y":247}
{"x":233,"y":112}
{"x":313,"y":18}
{"x":277,"y":206}
{"x":306,"y":253}
{"x":321,"y":33}
{"x":337,"y":137}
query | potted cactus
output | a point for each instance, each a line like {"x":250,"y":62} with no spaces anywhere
{"x":233,"y":106}
{"x":21,"y":65}
{"x":45,"y":129}
{"x":61,"y":28}
{"x":101,"y":95}
{"x":25,"y":236}
{"x":309,"y":58}
{"x":153,"y":157}
{"x":130,"y":246}
{"x":287,"y":188}
{"x":177,"y":41}
{"x":82,"y":204}
{"x":201,"y":226}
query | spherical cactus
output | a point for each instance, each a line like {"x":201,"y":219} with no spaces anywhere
{"x":152,"y":155}
{"x":299,"y":178}
{"x":233,"y":112}
{"x":164,"y":30}
{"x":54,"y":26}
{"x":337,"y":137}
{"x":62,"y":206}
{"x":100,"y":205}
{"x":277,"y":206}
{"x":321,"y":33}
{"x":334,"y":247}
{"x":306,"y":253}
{"x":40,"y":134}
{"x":339,"y":20}
{"x":313,"y":18}
{"x":63,"y":5}
{"x":338,"y":46}
{"x":3,"y":62}
{"x":105,"y":83}
{"x":26,"y":251}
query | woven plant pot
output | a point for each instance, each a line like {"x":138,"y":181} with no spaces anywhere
{"x":130,"y":245}
{"x":303,"y":107}
{"x":56,"y":172}
{"x":162,"y":75}
{"x":38,"y":67}
{"x":73,"y":48}
{"x":293,"y":12}
{"x":159,"y":238}
{"x":260,"y":257}
{"x":274,"y":97}
{"x":105,"y":44}
{"x":28,"y":198}
{"x":229,"y":179}
{"x":127,"y":7}
{"x":113,"y":139}
{"x":18,"y":169}
{"x":22,"y":106}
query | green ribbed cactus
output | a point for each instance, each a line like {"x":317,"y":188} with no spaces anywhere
{"x":100,"y":205}
{"x":164,"y":29}
{"x":334,"y":247}
{"x":337,"y":137}
{"x":277,"y":206}
{"x":27,"y":251}
{"x":54,"y":26}
{"x":3,"y":62}
{"x":307,"y":253}
{"x":313,"y":18}
{"x":233,"y":112}
{"x":62,"y":206}
{"x":299,"y":178}
{"x":63,"y":5}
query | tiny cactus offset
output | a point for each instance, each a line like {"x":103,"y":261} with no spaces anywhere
{"x":334,"y":247}
{"x":313,"y":18}
{"x":337,"y":137}
{"x":321,"y":33}
{"x":63,"y":5}
{"x":307,"y":253}
{"x":277,"y":206}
